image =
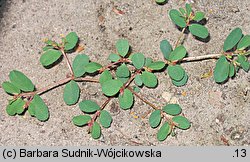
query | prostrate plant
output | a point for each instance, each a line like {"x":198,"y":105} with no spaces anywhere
{"x":124,"y":76}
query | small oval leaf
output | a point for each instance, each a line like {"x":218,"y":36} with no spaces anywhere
{"x":178,"y":53}
{"x":122,"y":47}
{"x":166,"y":48}
{"x":221,"y":71}
{"x":105,"y":119}
{"x":181,"y":122}
{"x":149,"y":79}
{"x":163,"y":132}
{"x":79,"y":62}
{"x":176,"y":72}
{"x":81,"y":120}
{"x":158,"y":65}
{"x":177,"y":18}
{"x":138,"y":60}
{"x":182,"y":82}
{"x":198,"y":31}
{"x":92,"y":67}
{"x":71,"y":93}
{"x":50,"y":56}
{"x":105,"y":76}
{"x":71,"y":41}
{"x":199,"y":16}
{"x":111,"y":87}
{"x":122,"y":71}
{"x":96,"y":131}
{"x":232,"y":39}
{"x":39,"y":108}
{"x":155,"y":118}
{"x":114,"y":57}
{"x":21,"y":81}
{"x":89,"y":106}
{"x":126,"y":99}
{"x":244,"y":43}
{"x":172,"y":109}
{"x":10,"y":88}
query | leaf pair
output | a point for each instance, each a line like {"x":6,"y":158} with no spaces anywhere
{"x":183,"y":17}
{"x":18,"y":82}
{"x":166,"y":128}
{"x":172,"y":55}
{"x":81,"y":65}
{"x":89,"y":107}
{"x":177,"y":74}
{"x":236,"y":39}
{"x":52,"y":50}
{"x":146,"y":78}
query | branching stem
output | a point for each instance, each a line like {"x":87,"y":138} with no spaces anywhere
{"x":68,"y":62}
{"x":144,"y":100}
{"x":179,"y":38}
{"x":54,"y":85}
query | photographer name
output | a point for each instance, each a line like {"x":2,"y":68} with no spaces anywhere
{"x":109,"y":153}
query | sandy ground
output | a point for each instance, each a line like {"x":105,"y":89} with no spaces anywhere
{"x":216,"y":111}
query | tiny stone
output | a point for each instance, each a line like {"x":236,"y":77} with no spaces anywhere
{"x":174,"y":100}
{"x":167,"y":96}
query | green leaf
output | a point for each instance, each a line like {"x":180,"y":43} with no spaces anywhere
{"x":176,"y":72}
{"x":149,"y":79}
{"x":182,"y":82}
{"x":105,"y":76}
{"x":182,"y":11}
{"x":178,"y":53}
{"x":172,"y":109}
{"x":126,"y":99}
{"x":177,"y":18}
{"x":39,"y":109}
{"x":79,"y":63}
{"x":161,"y":1}
{"x":138,"y":80}
{"x":10,"y":88}
{"x":50,"y":56}
{"x":71,"y":93}
{"x":105,"y":119}
{"x":81,"y":120}
{"x":232,"y":39}
{"x":138,"y":60}
{"x":123,"y":80}
{"x":199,"y":16}
{"x":181,"y":122}
{"x":92,"y":67}
{"x":96,"y":131}
{"x":122,"y":47}
{"x":136,"y":88}
{"x":111,"y":87}
{"x":221,"y":70}
{"x":89,"y":106}
{"x":155,"y":118}
{"x":243,"y":62}
{"x":158,"y":65}
{"x":21,"y":81}
{"x":122,"y":71}
{"x":198,"y":30}
{"x":244,"y":43}
{"x":163,"y":132}
{"x":148,"y":61}
{"x":188,"y":9}
{"x":232,"y":70}
{"x":166,"y":48}
{"x":71,"y":41}
{"x":46,"y":48}
{"x":15,"y":107}
{"x":114,"y":57}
